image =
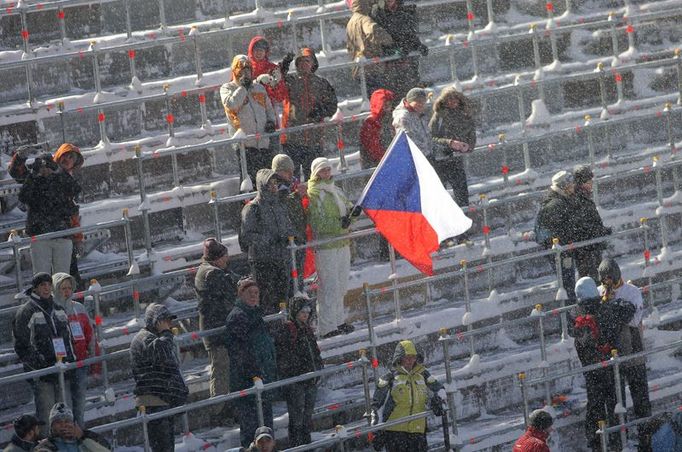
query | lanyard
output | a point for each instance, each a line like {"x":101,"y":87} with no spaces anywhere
{"x":50,"y":316}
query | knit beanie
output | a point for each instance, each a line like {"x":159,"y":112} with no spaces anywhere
{"x":562,"y":179}
{"x":582,"y":174}
{"x":282,"y":162}
{"x":416,"y":94}
{"x":60,"y":412}
{"x":609,"y":268}
{"x":540,"y":419}
{"x":245,"y":283}
{"x":213,"y":250}
{"x":318,"y":165}
{"x":40,"y":278}
{"x":239,"y":62}
{"x":586,"y":288}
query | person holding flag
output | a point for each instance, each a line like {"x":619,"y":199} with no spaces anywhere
{"x":409,"y":205}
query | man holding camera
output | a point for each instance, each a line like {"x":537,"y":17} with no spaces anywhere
{"x":248,"y":107}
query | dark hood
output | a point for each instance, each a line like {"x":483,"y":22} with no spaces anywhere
{"x":263,"y":176}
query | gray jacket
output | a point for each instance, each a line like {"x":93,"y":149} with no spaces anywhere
{"x":416,"y":125}
{"x":248,"y":110}
{"x":265,"y":223}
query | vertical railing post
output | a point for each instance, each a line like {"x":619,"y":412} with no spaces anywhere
{"x":96,"y":289}
{"x":360,"y":62}
{"x":551,"y":29}
{"x":394,"y":282}
{"x":16,"y":254}
{"x":678,"y":66}
{"x":544,"y":364}
{"x":614,"y":38}
{"x":491,"y":27}
{"x":620,"y":408}
{"x":370,"y":330}
{"x":524,"y":396}
{"x":643,"y":222}
{"x":538,"y":76}
{"x":62,"y":25}
{"x":590,"y":140}
{"x":602,"y":92}
{"x":522,"y":119}
{"x":135,"y":84}
{"x":341,"y":146}
{"x":294,"y":268}
{"x":323,"y":37}
{"x":62,"y":125}
{"x":561,"y":294}
{"x":162,"y":16}
{"x":129,"y":240}
{"x":216,"y":216}
{"x":450,"y":41}
{"x":205,"y":122}
{"x":246,"y":183}
{"x":145,"y":428}
{"x":602,"y":432}
{"x":467,"y":319}
{"x":194,"y":34}
{"x":28,"y":53}
{"x":144,"y":205}
{"x":129,"y":27}
{"x":291,"y":18}
{"x":660,"y":212}
{"x":102,"y":123}
{"x":61,"y":379}
{"x":95,"y":71}
{"x":365,"y":386}
{"x":450,"y":389}
{"x":487,"y":251}
{"x":258,"y":384}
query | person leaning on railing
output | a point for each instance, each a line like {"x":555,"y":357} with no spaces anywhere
{"x":404,"y":391}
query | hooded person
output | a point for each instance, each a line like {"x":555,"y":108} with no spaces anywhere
{"x":367,"y":39}
{"x":556,"y":219}
{"x":82,"y":334}
{"x":26,"y":434}
{"x":252,"y":352}
{"x":249,"y":109}
{"x":329,"y":214}
{"x":404,"y":391}
{"x":298,"y":354}
{"x":376,"y":132}
{"x":411,"y":116}
{"x":612,"y":289}
{"x":159,"y":383}
{"x":453,"y":129}
{"x":310,"y":99}
{"x":265,"y":232}
{"x":66,"y":435}
{"x":597,"y":330}
{"x":535,"y":437}
{"x":269,"y":74}
{"x":216,"y":291}
{"x":42,"y":337}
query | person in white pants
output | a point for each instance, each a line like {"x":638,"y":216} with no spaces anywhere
{"x":329,"y":215}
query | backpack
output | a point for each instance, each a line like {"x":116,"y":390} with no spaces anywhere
{"x":543,"y":236}
{"x":243,"y":246}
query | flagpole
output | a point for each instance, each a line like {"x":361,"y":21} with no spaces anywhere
{"x":376,"y":170}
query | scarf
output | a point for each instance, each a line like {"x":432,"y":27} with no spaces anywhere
{"x":322,"y":188}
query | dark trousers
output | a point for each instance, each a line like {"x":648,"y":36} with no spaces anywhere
{"x":161,"y":432}
{"x":257,"y":159}
{"x":402,"y":75}
{"x":451,"y":171}
{"x":405,"y":442}
{"x":302,"y":156}
{"x":636,"y":378}
{"x":300,"y":398}
{"x":587,"y":263}
{"x":248,"y":417}
{"x":273,"y":281}
{"x":601,"y":401}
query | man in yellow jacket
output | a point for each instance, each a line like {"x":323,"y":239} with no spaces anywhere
{"x":402,"y":392}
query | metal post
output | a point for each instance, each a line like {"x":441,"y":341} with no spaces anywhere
{"x":145,"y":429}
{"x":360,"y":62}
{"x":216,"y":216}
{"x":474,"y":55}
{"x":258,"y":384}
{"x":246,"y":183}
{"x":134,"y":81}
{"x":365,"y":386}
{"x":370,"y":330}
{"x":60,"y":112}
{"x":470,"y":16}
{"x":323,"y":36}
{"x":450,"y":41}
{"x":667,"y":109}
{"x":561,"y":292}
{"x":524,"y":395}
{"x":291,"y":18}
{"x":522,"y":119}
{"x":194,"y":34}
{"x":467,"y":306}
{"x":678,"y":60}
{"x":205,"y":123}
{"x":647,"y":260}
{"x":590,"y":140}
{"x":662,"y":218}
{"x":502,"y":141}
{"x":539,"y":313}
{"x":105,"y":365}
{"x":619,"y":88}
{"x":602,"y":92}
{"x":170,"y":119}
{"x":444,"y":340}
{"x":95,"y":71}
{"x":16,"y":241}
{"x":162,"y":15}
{"x":62,"y":25}
{"x":491,"y":16}
{"x":62,"y":382}
{"x":101,"y":121}
{"x":28,"y":53}
{"x":487,"y":252}
{"x":551,"y":25}
{"x":294,"y":268}
{"x":620,"y":408}
{"x":614,"y":37}
{"x":341,"y":146}
{"x":538,"y":62}
{"x":394,"y":283}
{"x":144,"y":207}
{"x":129,"y":28}
{"x":128,"y":238}
{"x":95,"y":288}
{"x":604,"y":436}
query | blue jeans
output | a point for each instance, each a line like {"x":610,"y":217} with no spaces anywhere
{"x":79,"y":385}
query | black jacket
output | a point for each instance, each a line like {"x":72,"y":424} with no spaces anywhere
{"x":558,"y":216}
{"x":35,"y":324}
{"x":589,"y":224}
{"x":297,"y":350}
{"x":216,"y":292}
{"x":402,"y":25}
{"x":156,"y":367}
{"x":50,"y":201}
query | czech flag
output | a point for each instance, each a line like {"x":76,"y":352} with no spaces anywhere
{"x":409,"y":205}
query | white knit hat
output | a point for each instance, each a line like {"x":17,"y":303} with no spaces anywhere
{"x":318,"y":165}
{"x":562,"y":179}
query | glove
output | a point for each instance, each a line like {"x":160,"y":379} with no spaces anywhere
{"x":246,"y":82}
{"x":357,"y":210}
{"x":265,"y":80}
{"x":345,"y":222}
{"x":286,"y":62}
{"x":437,"y":406}
{"x":423,"y":49}
{"x":374,"y":417}
{"x":270,"y":127}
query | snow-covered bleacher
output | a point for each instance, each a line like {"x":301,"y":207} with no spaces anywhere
{"x":136,"y":86}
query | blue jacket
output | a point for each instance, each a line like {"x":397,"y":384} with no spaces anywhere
{"x":669,"y":437}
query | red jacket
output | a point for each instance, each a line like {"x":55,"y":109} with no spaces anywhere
{"x":532,"y":440}
{"x":370,"y":133}
{"x":265,"y":66}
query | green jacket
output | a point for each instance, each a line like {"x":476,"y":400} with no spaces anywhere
{"x":324,"y":215}
{"x":403,"y":393}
